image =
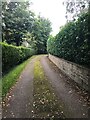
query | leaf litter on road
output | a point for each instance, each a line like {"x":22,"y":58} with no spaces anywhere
{"x":46,"y":103}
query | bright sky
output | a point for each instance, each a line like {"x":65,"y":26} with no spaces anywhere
{"x":51,"y":9}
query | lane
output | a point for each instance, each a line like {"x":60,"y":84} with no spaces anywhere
{"x":74,"y":104}
{"x":20,"y":100}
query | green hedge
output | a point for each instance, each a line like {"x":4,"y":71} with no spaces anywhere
{"x":72,"y":42}
{"x":12,"y":55}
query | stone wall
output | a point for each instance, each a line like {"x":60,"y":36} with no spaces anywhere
{"x":78,"y":73}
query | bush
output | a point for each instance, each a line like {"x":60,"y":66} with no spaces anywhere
{"x":12,"y":55}
{"x":72,"y":42}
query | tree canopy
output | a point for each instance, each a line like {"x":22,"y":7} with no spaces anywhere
{"x":74,"y":8}
{"x":20,"y":24}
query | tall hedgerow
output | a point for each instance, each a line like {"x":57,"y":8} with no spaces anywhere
{"x":72,"y":42}
{"x":12,"y":55}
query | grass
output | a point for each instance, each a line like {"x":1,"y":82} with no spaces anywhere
{"x":46,"y":103}
{"x":11,"y":78}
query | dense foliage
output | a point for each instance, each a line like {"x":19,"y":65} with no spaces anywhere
{"x":41,"y":31}
{"x":21,"y":25}
{"x":74,"y":8}
{"x":16,"y":21}
{"x":12,"y":55}
{"x":72,"y":42}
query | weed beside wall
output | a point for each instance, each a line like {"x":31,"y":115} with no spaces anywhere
{"x":72,"y":42}
{"x":12,"y":55}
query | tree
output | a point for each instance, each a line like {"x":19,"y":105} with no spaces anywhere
{"x":21,"y":24}
{"x":74,"y":8}
{"x":41,"y":32}
{"x":18,"y":20}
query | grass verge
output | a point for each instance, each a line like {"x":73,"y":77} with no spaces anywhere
{"x":11,"y":78}
{"x":45,"y":104}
